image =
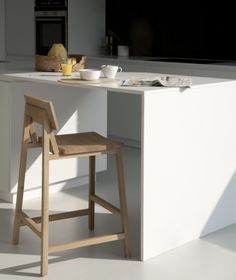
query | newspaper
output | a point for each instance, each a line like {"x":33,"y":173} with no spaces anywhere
{"x":163,"y":81}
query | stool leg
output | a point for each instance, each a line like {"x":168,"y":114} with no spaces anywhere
{"x":45,"y":199}
{"x":91,"y":191}
{"x":20,"y":193}
{"x":21,"y":183}
{"x":123,"y":203}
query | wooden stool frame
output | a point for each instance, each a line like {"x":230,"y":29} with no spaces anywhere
{"x":42,"y":112}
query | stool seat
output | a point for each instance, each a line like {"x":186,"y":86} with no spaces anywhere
{"x":56,"y":147}
{"x":85,"y":143}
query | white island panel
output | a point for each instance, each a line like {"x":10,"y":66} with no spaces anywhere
{"x":189,"y":163}
{"x":5,"y":135}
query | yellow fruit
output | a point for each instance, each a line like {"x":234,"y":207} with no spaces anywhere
{"x":58,"y":50}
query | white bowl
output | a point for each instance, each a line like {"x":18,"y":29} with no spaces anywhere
{"x":90,"y":74}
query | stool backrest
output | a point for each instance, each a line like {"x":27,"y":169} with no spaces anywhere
{"x":37,"y":107}
{"x":42,"y":112}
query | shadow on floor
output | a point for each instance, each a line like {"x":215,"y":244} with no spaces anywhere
{"x":67,"y":230}
{"x":223,"y":214}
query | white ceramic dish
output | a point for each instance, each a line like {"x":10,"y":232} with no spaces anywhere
{"x":90,"y":74}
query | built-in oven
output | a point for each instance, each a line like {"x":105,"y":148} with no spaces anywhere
{"x":51,"y":24}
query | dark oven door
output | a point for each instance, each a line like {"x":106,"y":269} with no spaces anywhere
{"x":50,"y":29}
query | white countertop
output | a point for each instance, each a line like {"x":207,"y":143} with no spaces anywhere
{"x":46,"y":77}
{"x":26,"y":72}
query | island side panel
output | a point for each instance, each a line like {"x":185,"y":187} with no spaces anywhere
{"x":189,"y":163}
{"x":5,"y":122}
{"x":77,"y":110}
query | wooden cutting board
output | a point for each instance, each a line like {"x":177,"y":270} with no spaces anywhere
{"x":80,"y":81}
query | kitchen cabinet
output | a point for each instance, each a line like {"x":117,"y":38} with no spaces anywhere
{"x":86,"y":26}
{"x":19,"y":26}
{"x":2,"y":30}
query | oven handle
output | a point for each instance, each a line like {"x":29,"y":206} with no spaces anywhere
{"x":50,"y":14}
{"x":59,"y":19}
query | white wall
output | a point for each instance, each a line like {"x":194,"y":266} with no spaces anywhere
{"x":19,"y":27}
{"x":86,"y":26}
{"x":2,"y":30}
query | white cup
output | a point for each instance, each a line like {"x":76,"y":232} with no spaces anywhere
{"x":109,"y":71}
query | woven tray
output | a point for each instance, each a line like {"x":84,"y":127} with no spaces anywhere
{"x":52,"y":64}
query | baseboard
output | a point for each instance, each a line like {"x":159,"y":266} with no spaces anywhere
{"x":6,"y":196}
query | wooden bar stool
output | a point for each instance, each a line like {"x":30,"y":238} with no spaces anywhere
{"x":54,"y":147}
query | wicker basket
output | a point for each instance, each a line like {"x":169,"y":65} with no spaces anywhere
{"x":52,"y":64}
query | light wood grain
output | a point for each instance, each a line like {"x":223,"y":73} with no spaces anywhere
{"x":105,"y":204}
{"x":53,"y":146}
{"x":21,"y":178}
{"x":123,"y":202}
{"x":45,"y":198}
{"x":26,"y":220}
{"x":92,"y":163}
{"x":86,"y":242}
{"x":46,"y":105}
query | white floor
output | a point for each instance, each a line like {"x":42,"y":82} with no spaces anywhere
{"x":212,"y":257}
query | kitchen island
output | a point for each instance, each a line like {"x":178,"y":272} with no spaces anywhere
{"x":188,"y":148}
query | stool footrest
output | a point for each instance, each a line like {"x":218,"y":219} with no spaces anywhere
{"x":27,"y":221}
{"x":105,"y":204}
{"x":54,"y":217}
{"x":86,"y":242}
{"x":64,"y":215}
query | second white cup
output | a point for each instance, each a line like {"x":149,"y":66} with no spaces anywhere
{"x":109,"y":71}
